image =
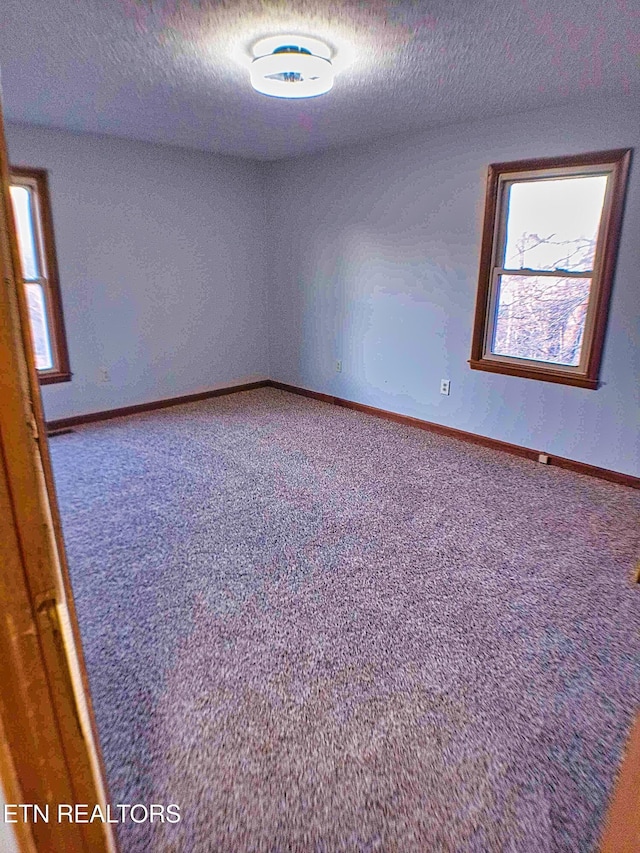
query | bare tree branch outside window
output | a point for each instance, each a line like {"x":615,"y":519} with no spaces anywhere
{"x":540,"y":317}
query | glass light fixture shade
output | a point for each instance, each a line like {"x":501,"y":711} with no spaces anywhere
{"x":291,"y":67}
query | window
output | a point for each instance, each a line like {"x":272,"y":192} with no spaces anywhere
{"x":32,"y":214}
{"x":546,"y":266}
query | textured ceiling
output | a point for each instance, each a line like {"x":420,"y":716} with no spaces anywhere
{"x":175,"y":71}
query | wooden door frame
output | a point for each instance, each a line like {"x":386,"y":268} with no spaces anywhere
{"x":49,"y":750}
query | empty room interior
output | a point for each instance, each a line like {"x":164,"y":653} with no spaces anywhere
{"x":335,"y":313}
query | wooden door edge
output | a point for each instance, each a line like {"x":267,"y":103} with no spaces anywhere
{"x":46,"y":649}
{"x":622,"y":825}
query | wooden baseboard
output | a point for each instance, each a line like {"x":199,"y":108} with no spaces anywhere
{"x":93,"y":417}
{"x":451,"y":432}
{"x":622,"y":825}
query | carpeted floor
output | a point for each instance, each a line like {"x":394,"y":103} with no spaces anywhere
{"x":319,"y":631}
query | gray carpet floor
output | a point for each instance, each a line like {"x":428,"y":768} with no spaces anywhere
{"x":319,"y":631}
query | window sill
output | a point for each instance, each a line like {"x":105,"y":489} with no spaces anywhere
{"x":50,"y":378}
{"x":545,"y":374}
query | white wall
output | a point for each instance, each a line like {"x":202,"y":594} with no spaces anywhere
{"x":374,"y":260}
{"x":161,"y":265}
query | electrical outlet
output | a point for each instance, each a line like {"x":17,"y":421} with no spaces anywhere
{"x":445,"y":385}
{"x":104,"y":375}
{"x":339,"y":366}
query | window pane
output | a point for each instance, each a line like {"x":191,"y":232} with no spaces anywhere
{"x":553,"y":223}
{"x":39,"y":327}
{"x":21,"y":199}
{"x":541,"y":318}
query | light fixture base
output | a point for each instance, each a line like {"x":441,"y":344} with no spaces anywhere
{"x":291,"y":66}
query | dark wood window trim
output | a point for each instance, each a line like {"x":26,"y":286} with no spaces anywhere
{"x":61,"y":372}
{"x":616,"y":163}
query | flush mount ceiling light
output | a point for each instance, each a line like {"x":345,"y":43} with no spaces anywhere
{"x":291,"y":67}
